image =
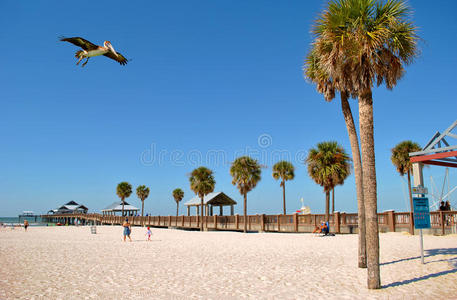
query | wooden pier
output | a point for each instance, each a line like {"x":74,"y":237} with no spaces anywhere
{"x":28,"y":215}
{"x":443,"y":222}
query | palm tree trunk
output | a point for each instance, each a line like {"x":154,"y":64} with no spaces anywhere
{"x":410,"y":197}
{"x":142,"y":207}
{"x":201,"y":214}
{"x":177,"y":213}
{"x":369,"y":188}
{"x":352,"y":133}
{"x":327,"y":202}
{"x":122,"y":207}
{"x":245,"y":213}
{"x":284,"y":196}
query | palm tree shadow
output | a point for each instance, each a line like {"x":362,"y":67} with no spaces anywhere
{"x":441,"y":251}
{"x":398,"y":283}
{"x":428,"y":253}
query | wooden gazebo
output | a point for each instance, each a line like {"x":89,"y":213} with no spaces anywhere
{"x":209,"y":201}
{"x":116,"y":207}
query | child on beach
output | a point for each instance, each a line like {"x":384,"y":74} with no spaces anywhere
{"x":149,"y":233}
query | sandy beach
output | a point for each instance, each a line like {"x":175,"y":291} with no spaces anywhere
{"x":72,"y":263}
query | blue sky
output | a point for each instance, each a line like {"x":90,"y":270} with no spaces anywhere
{"x":206,"y":79}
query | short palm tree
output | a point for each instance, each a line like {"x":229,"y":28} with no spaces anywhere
{"x":202,"y":183}
{"x":400,"y":159}
{"x":178,"y":195}
{"x":327,"y":164}
{"x":123,"y":190}
{"x":142,"y":192}
{"x":245,"y":172}
{"x":361,"y":43}
{"x":285,"y":171}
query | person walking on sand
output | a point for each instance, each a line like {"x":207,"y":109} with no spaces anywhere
{"x":127,"y":229}
{"x":149,"y":233}
{"x":26,"y":224}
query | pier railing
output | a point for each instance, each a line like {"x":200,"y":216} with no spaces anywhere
{"x":442,"y":222}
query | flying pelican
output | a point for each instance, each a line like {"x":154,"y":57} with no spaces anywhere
{"x":90,"y":50}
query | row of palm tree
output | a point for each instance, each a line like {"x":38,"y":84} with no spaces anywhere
{"x":328,"y":165}
{"x":358,"y":43}
{"x":245,"y":172}
{"x":124,"y":190}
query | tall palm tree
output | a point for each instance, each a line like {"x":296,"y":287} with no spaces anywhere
{"x":245,"y":172}
{"x":123,"y":190}
{"x":324,"y":85}
{"x":400,"y":159}
{"x":285,"y":171}
{"x":202,"y":183}
{"x":327,"y":164}
{"x":361,"y":42}
{"x":178,"y":195}
{"x":142,"y":192}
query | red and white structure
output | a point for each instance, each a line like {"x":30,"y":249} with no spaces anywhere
{"x":437,"y":152}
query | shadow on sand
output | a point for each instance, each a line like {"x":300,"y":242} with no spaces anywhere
{"x":398,"y":283}
{"x":428,"y":253}
{"x":140,"y":241}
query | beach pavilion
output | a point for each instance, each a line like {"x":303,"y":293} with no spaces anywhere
{"x":116,"y":207}
{"x":70,"y":208}
{"x":209,"y":201}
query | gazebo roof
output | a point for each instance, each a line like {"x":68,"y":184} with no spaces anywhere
{"x":117,"y":206}
{"x":218,"y":198}
{"x":69,"y":207}
{"x":72,"y":205}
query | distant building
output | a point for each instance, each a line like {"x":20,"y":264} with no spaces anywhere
{"x":70,"y":208}
{"x":116,"y":207}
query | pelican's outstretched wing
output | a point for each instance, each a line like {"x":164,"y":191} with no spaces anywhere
{"x":119,"y":58}
{"x":80,"y":42}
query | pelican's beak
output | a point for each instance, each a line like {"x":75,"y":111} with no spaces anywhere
{"x":112,"y":49}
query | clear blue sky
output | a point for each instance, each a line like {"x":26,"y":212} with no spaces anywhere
{"x":206,"y":77}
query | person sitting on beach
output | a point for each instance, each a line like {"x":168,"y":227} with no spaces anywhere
{"x":317,"y":229}
{"x":324,"y":228}
{"x":26,"y":224}
{"x":127,"y":229}
{"x":321,"y":228}
{"x":149,"y":233}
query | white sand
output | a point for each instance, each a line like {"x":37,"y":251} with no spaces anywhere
{"x":71,"y":263}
